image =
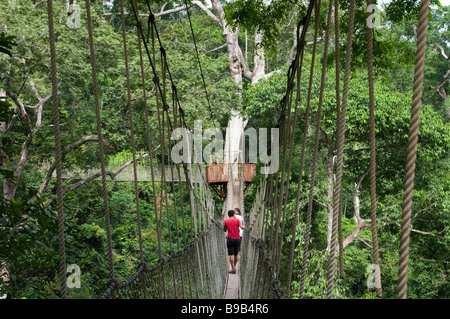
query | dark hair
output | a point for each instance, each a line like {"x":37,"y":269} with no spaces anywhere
{"x":230,"y":213}
{"x":238,"y":210}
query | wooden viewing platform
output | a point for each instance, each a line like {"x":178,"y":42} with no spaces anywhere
{"x":217,"y":176}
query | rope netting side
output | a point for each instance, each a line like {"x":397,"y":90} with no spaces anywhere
{"x":258,"y":278}
{"x":199,"y":270}
{"x":179,"y":270}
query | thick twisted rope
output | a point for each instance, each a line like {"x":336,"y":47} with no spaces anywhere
{"x":373,"y":200}
{"x":337,"y":88}
{"x":100,"y":137}
{"x":147,"y":127}
{"x":315,"y":155}
{"x":133,"y":145}
{"x":295,"y":68}
{"x":199,"y":63}
{"x":299,"y":55}
{"x":305,"y":134}
{"x":59,"y":193}
{"x":412,"y":149}
{"x":340,"y":153}
{"x":283,"y":186}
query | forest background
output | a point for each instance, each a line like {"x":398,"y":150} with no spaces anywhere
{"x":262,"y":36}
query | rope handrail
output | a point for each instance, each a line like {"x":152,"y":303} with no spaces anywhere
{"x":263,"y":267}
{"x":115,"y":285}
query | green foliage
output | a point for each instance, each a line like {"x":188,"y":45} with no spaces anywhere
{"x":401,"y":10}
{"x":28,"y":236}
{"x":268,"y":19}
{"x":392,"y":114}
{"x":29,"y":246}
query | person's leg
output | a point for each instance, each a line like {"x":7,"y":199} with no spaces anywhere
{"x":232,"y":263}
{"x":230,"y":252}
{"x":234,"y":243}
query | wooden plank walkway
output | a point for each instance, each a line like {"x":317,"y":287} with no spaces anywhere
{"x":232,"y":291}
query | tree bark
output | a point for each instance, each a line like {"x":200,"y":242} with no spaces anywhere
{"x":361,"y":223}
{"x":259,"y":62}
{"x":10,"y":187}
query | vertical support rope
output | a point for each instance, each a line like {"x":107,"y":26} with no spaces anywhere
{"x":315,"y":154}
{"x":373,"y":201}
{"x":100,"y":138}
{"x":147,"y":126}
{"x":59,"y":193}
{"x":412,"y":149}
{"x":340,"y":153}
{"x":291,"y":134}
{"x":280,"y":220}
{"x":199,"y":63}
{"x":305,"y":134}
{"x":133,"y":146}
{"x":337,"y":88}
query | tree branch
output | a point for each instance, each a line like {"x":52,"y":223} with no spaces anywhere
{"x":158,"y":14}
{"x":212,"y":50}
{"x":174,"y":10}
{"x":362,"y":223}
{"x":440,"y":88}
{"x":446,"y":57}
{"x":268,"y":75}
{"x":112,"y":175}
{"x":415,"y":230}
{"x":68,"y":149}
{"x":364,"y":241}
{"x":219,"y":10}
{"x":209,"y":13}
{"x":248,"y":73}
{"x":19,"y":104}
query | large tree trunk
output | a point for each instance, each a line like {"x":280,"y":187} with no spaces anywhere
{"x":238,"y":68}
{"x":259,"y":62}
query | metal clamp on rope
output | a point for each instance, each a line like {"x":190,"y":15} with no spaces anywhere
{"x":151,"y":18}
{"x":163,"y":51}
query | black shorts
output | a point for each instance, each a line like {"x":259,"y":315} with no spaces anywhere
{"x":234,"y":246}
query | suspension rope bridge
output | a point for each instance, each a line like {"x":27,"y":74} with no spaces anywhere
{"x":197,"y":267}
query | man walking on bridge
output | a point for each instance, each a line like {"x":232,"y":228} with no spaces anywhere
{"x":232,"y":224}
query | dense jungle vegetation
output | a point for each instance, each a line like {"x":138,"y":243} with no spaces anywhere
{"x":28,"y":220}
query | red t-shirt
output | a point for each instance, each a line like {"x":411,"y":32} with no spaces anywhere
{"x":232,"y":225}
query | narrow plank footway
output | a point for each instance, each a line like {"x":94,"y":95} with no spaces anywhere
{"x":232,"y":291}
